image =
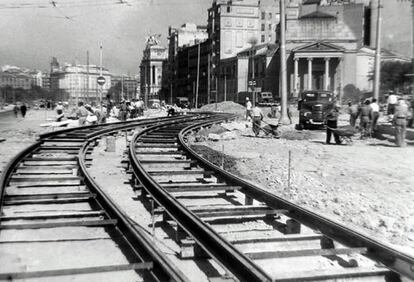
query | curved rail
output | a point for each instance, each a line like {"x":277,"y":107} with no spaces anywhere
{"x":224,"y":252}
{"x":239,"y":264}
{"x":376,"y":250}
{"x":163,"y":269}
{"x":133,"y":243}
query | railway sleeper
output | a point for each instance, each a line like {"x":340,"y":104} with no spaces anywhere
{"x":48,"y":195}
{"x":141,"y":266}
{"x":335,"y":274}
{"x":100,"y":222}
{"x":53,"y":200}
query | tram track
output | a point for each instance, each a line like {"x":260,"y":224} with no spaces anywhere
{"x":56,"y":223}
{"x":203,"y":200}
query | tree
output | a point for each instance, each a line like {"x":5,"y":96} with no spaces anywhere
{"x":393,"y":75}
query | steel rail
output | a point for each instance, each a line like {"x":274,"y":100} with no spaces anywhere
{"x":218,"y":248}
{"x":142,"y":247}
{"x":163,"y":269}
{"x":393,"y":259}
{"x":7,"y":172}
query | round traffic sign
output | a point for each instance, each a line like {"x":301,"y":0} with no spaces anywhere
{"x":100,"y":80}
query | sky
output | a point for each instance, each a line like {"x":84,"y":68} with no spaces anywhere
{"x":34,"y":31}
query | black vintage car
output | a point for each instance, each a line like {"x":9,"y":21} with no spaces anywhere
{"x":313,"y":106}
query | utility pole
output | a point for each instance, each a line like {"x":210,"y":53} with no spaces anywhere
{"x":216,"y":91}
{"x":87,"y":76}
{"x":377,"y":70}
{"x":283,"y":115}
{"x":208,"y":79}
{"x":100,"y":73}
{"x":77,"y":84}
{"x":225,"y":84}
{"x":198,"y":75}
{"x":122,"y":86}
{"x":253,"y":80}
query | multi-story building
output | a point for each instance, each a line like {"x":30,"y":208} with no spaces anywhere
{"x":234,"y":26}
{"x":129,"y":86}
{"x":269,"y":19}
{"x":192,"y":70}
{"x":151,"y":69}
{"x":16,"y":79}
{"x":46,"y":81}
{"x":78,"y":82}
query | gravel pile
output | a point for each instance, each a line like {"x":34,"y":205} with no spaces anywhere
{"x":227,"y":107}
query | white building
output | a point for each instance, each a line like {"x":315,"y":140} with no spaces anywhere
{"x":80,"y":82}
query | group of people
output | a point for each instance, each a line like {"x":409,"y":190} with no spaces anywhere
{"x":22,"y":108}
{"x":123,"y":111}
{"x":368,"y":113}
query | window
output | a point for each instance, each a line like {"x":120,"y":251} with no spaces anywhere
{"x":263,"y":27}
{"x":263,"y":38}
{"x":270,"y":16}
{"x":270,"y":37}
{"x":263,"y":15}
{"x":270,"y":26}
{"x":228,"y":9}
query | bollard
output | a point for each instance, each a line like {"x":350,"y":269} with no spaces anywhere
{"x":110,"y":144}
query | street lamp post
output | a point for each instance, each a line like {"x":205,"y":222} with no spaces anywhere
{"x":100,"y":73}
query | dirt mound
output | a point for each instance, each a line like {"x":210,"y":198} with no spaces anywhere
{"x":226,"y":107}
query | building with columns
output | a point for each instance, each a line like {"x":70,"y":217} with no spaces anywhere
{"x":151,"y":68}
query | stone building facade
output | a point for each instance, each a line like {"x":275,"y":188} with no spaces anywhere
{"x":151,"y":69}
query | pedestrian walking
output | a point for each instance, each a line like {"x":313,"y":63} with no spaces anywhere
{"x":400,"y":122}
{"x":374,"y":115}
{"x":257,"y":117}
{"x":365,"y":119}
{"x":332,"y":123}
{"x":23,"y":109}
{"x":248,"y":108}
{"x":59,"y":112}
{"x":16,"y":110}
{"x":123,"y":112}
{"x":81,"y":113}
{"x":353,"y":111}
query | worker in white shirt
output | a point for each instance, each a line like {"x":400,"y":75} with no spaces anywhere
{"x":257,"y":117}
{"x":392,"y":103}
{"x":375,"y":114}
{"x":248,"y":108}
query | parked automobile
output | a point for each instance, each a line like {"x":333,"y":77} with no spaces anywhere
{"x":182,"y":102}
{"x":313,"y":107}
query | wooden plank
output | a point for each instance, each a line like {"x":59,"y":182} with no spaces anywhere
{"x":29,"y":196}
{"x":102,"y":222}
{"x":152,"y":145}
{"x":166,"y":161}
{"x":42,"y":168}
{"x":200,"y":188}
{"x":53,"y":215}
{"x":64,"y":139}
{"x":48,"y":201}
{"x":303,"y":253}
{"x":76,"y":271}
{"x":232,"y":211}
{"x":29,"y":162}
{"x":178,"y":172}
{"x":56,"y":159}
{"x":164,"y":153}
{"x":284,"y":238}
{"x":332,"y":274}
{"x":47,"y":171}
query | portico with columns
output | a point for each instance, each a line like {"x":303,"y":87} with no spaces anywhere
{"x":316,"y":66}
